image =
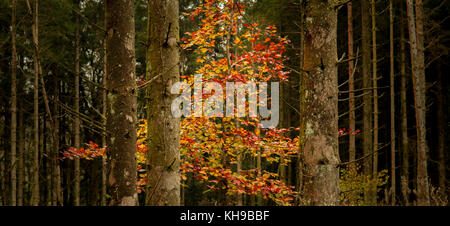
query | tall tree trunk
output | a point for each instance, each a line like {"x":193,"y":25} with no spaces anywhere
{"x":76,"y":190}
{"x":163,"y":128}
{"x":351,"y":119}
{"x":104,"y":109}
{"x":392,"y":92}
{"x":418,"y":71}
{"x":55,"y":143}
{"x":320,"y":150}
{"x":20,"y":153}
{"x":122,"y":109}
{"x":35,"y":168}
{"x":13,"y":200}
{"x":441,"y":131}
{"x":367,"y":98}
{"x":404,"y":116}
{"x":375,"y":89}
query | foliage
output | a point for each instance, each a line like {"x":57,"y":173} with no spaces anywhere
{"x":354,"y":184}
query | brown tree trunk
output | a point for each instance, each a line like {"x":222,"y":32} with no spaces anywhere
{"x":104,"y":109}
{"x":20,"y":153}
{"x":375,"y":89}
{"x":35,"y":168}
{"x":13,"y":159}
{"x":76,"y":189}
{"x":163,"y":129}
{"x":404,"y":116}
{"x":418,"y":71}
{"x":392,"y":92}
{"x":351,"y":119}
{"x":320,"y":152}
{"x":367,"y":101}
{"x":54,"y":153}
{"x":122,"y":109}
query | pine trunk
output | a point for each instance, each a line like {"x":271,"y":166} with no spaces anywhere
{"x":320,"y":151}
{"x":13,"y":159}
{"x":163,"y":129}
{"x":351,"y":119}
{"x":392,"y":92}
{"x":418,"y":70}
{"x":122,"y":108}
{"x":404,"y":116}
{"x":76,"y":189}
{"x":367,"y":98}
{"x":35,"y":168}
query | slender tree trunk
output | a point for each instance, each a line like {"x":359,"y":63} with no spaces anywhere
{"x":375,"y":89}
{"x":163,"y":128}
{"x":35,"y":168}
{"x":367,"y":101}
{"x":351,"y":119}
{"x":441,"y":131}
{"x":320,"y":150}
{"x":418,"y":71}
{"x":13,"y":200}
{"x":104,"y":109}
{"x":404,"y":116}
{"x":54,"y":153}
{"x":20,"y":152}
{"x":392,"y":91}
{"x":76,"y":189}
{"x":302,"y":104}
{"x":122,"y":109}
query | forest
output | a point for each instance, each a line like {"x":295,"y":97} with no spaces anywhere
{"x":224,"y":102}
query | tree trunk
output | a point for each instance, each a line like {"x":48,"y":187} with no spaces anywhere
{"x":76,"y":189}
{"x":122,"y":109}
{"x":35,"y":168}
{"x":20,"y":152}
{"x":367,"y":101}
{"x":404,"y":116}
{"x":13,"y":200}
{"x":104,"y":112}
{"x":163,"y":129}
{"x":375,"y":90}
{"x":351,"y":119}
{"x":418,"y":71}
{"x":392,"y":92}
{"x":320,"y":152}
{"x":54,"y":153}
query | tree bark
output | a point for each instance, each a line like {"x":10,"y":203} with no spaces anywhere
{"x":76,"y":190}
{"x":375,"y":90}
{"x":351,"y":119}
{"x":122,"y":109}
{"x":13,"y":159}
{"x":367,"y":101}
{"x":20,"y":153}
{"x":404,"y":116}
{"x":104,"y":112}
{"x":163,"y":129}
{"x":392,"y":92}
{"x":54,"y":153}
{"x":418,"y":71}
{"x":320,"y":152}
{"x":35,"y":168}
